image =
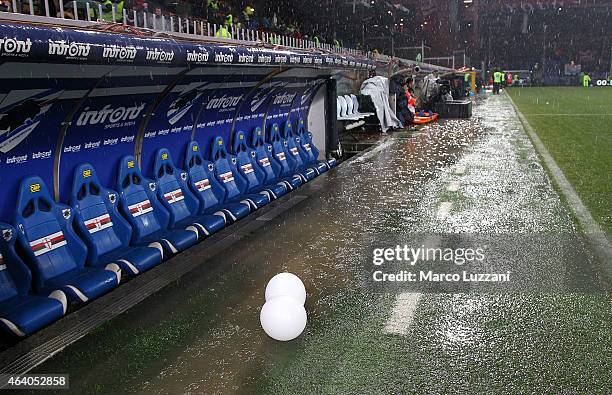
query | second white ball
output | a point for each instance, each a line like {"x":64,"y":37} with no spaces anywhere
{"x":286,"y":284}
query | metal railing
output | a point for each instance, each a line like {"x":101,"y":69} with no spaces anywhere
{"x":96,"y":12}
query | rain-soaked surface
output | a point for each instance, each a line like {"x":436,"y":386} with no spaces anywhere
{"x":202,"y":334}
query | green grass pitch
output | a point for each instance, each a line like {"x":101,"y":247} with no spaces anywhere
{"x":575,"y":124}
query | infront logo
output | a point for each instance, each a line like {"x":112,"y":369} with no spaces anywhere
{"x":69,"y":50}
{"x":224,"y":58}
{"x":164,"y":156}
{"x":13,"y":45}
{"x":130,"y":164}
{"x":160,"y":55}
{"x":244,"y":58}
{"x":109,"y":114}
{"x":224,"y":102}
{"x":35,"y":188}
{"x":86,"y":173}
{"x":285,"y":98}
{"x":118,"y":52}
{"x":195,"y":56}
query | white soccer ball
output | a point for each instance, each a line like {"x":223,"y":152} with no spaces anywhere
{"x":283,"y":318}
{"x":286,"y":284}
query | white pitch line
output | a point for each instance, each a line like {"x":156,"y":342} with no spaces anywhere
{"x":595,"y":234}
{"x":460,"y":169}
{"x":444,"y":210}
{"x":453,"y":186}
{"x":403,"y":313}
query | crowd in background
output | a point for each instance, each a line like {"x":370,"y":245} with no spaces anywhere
{"x":278,"y":17}
{"x":541,"y":42}
{"x":550,"y":43}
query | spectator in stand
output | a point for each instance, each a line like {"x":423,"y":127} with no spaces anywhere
{"x":226,"y":29}
{"x":249,"y":18}
{"x":107,"y":11}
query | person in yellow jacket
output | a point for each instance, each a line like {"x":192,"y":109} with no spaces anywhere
{"x":225,"y":31}
{"x":247,"y":14}
{"x":107,"y":11}
{"x":497,"y":81}
{"x":213,"y":5}
{"x":586,"y":80}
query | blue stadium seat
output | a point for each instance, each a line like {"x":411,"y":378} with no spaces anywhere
{"x":228,"y":174}
{"x":310,"y":151}
{"x":293,"y":149}
{"x":52,"y":249}
{"x":105,"y":232}
{"x":282,"y":157}
{"x":174,"y":193}
{"x":22,"y":314}
{"x":208,"y":190}
{"x":266,"y":161}
{"x":148,"y":217}
{"x":252,"y":172}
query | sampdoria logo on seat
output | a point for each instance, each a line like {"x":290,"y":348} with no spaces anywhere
{"x":98,"y":223}
{"x":174,"y":196}
{"x":140,"y":208}
{"x":48,"y":243}
{"x":227,"y":177}
{"x":203,"y":185}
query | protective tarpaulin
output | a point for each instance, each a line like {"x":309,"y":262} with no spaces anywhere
{"x":378,"y":89}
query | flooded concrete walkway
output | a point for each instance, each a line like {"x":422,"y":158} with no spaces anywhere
{"x":478,"y":176}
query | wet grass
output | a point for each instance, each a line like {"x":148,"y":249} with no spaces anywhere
{"x":479,"y":343}
{"x":574,"y":125}
{"x":124,"y":353}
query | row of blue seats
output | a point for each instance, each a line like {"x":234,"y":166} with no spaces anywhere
{"x":57,"y":254}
